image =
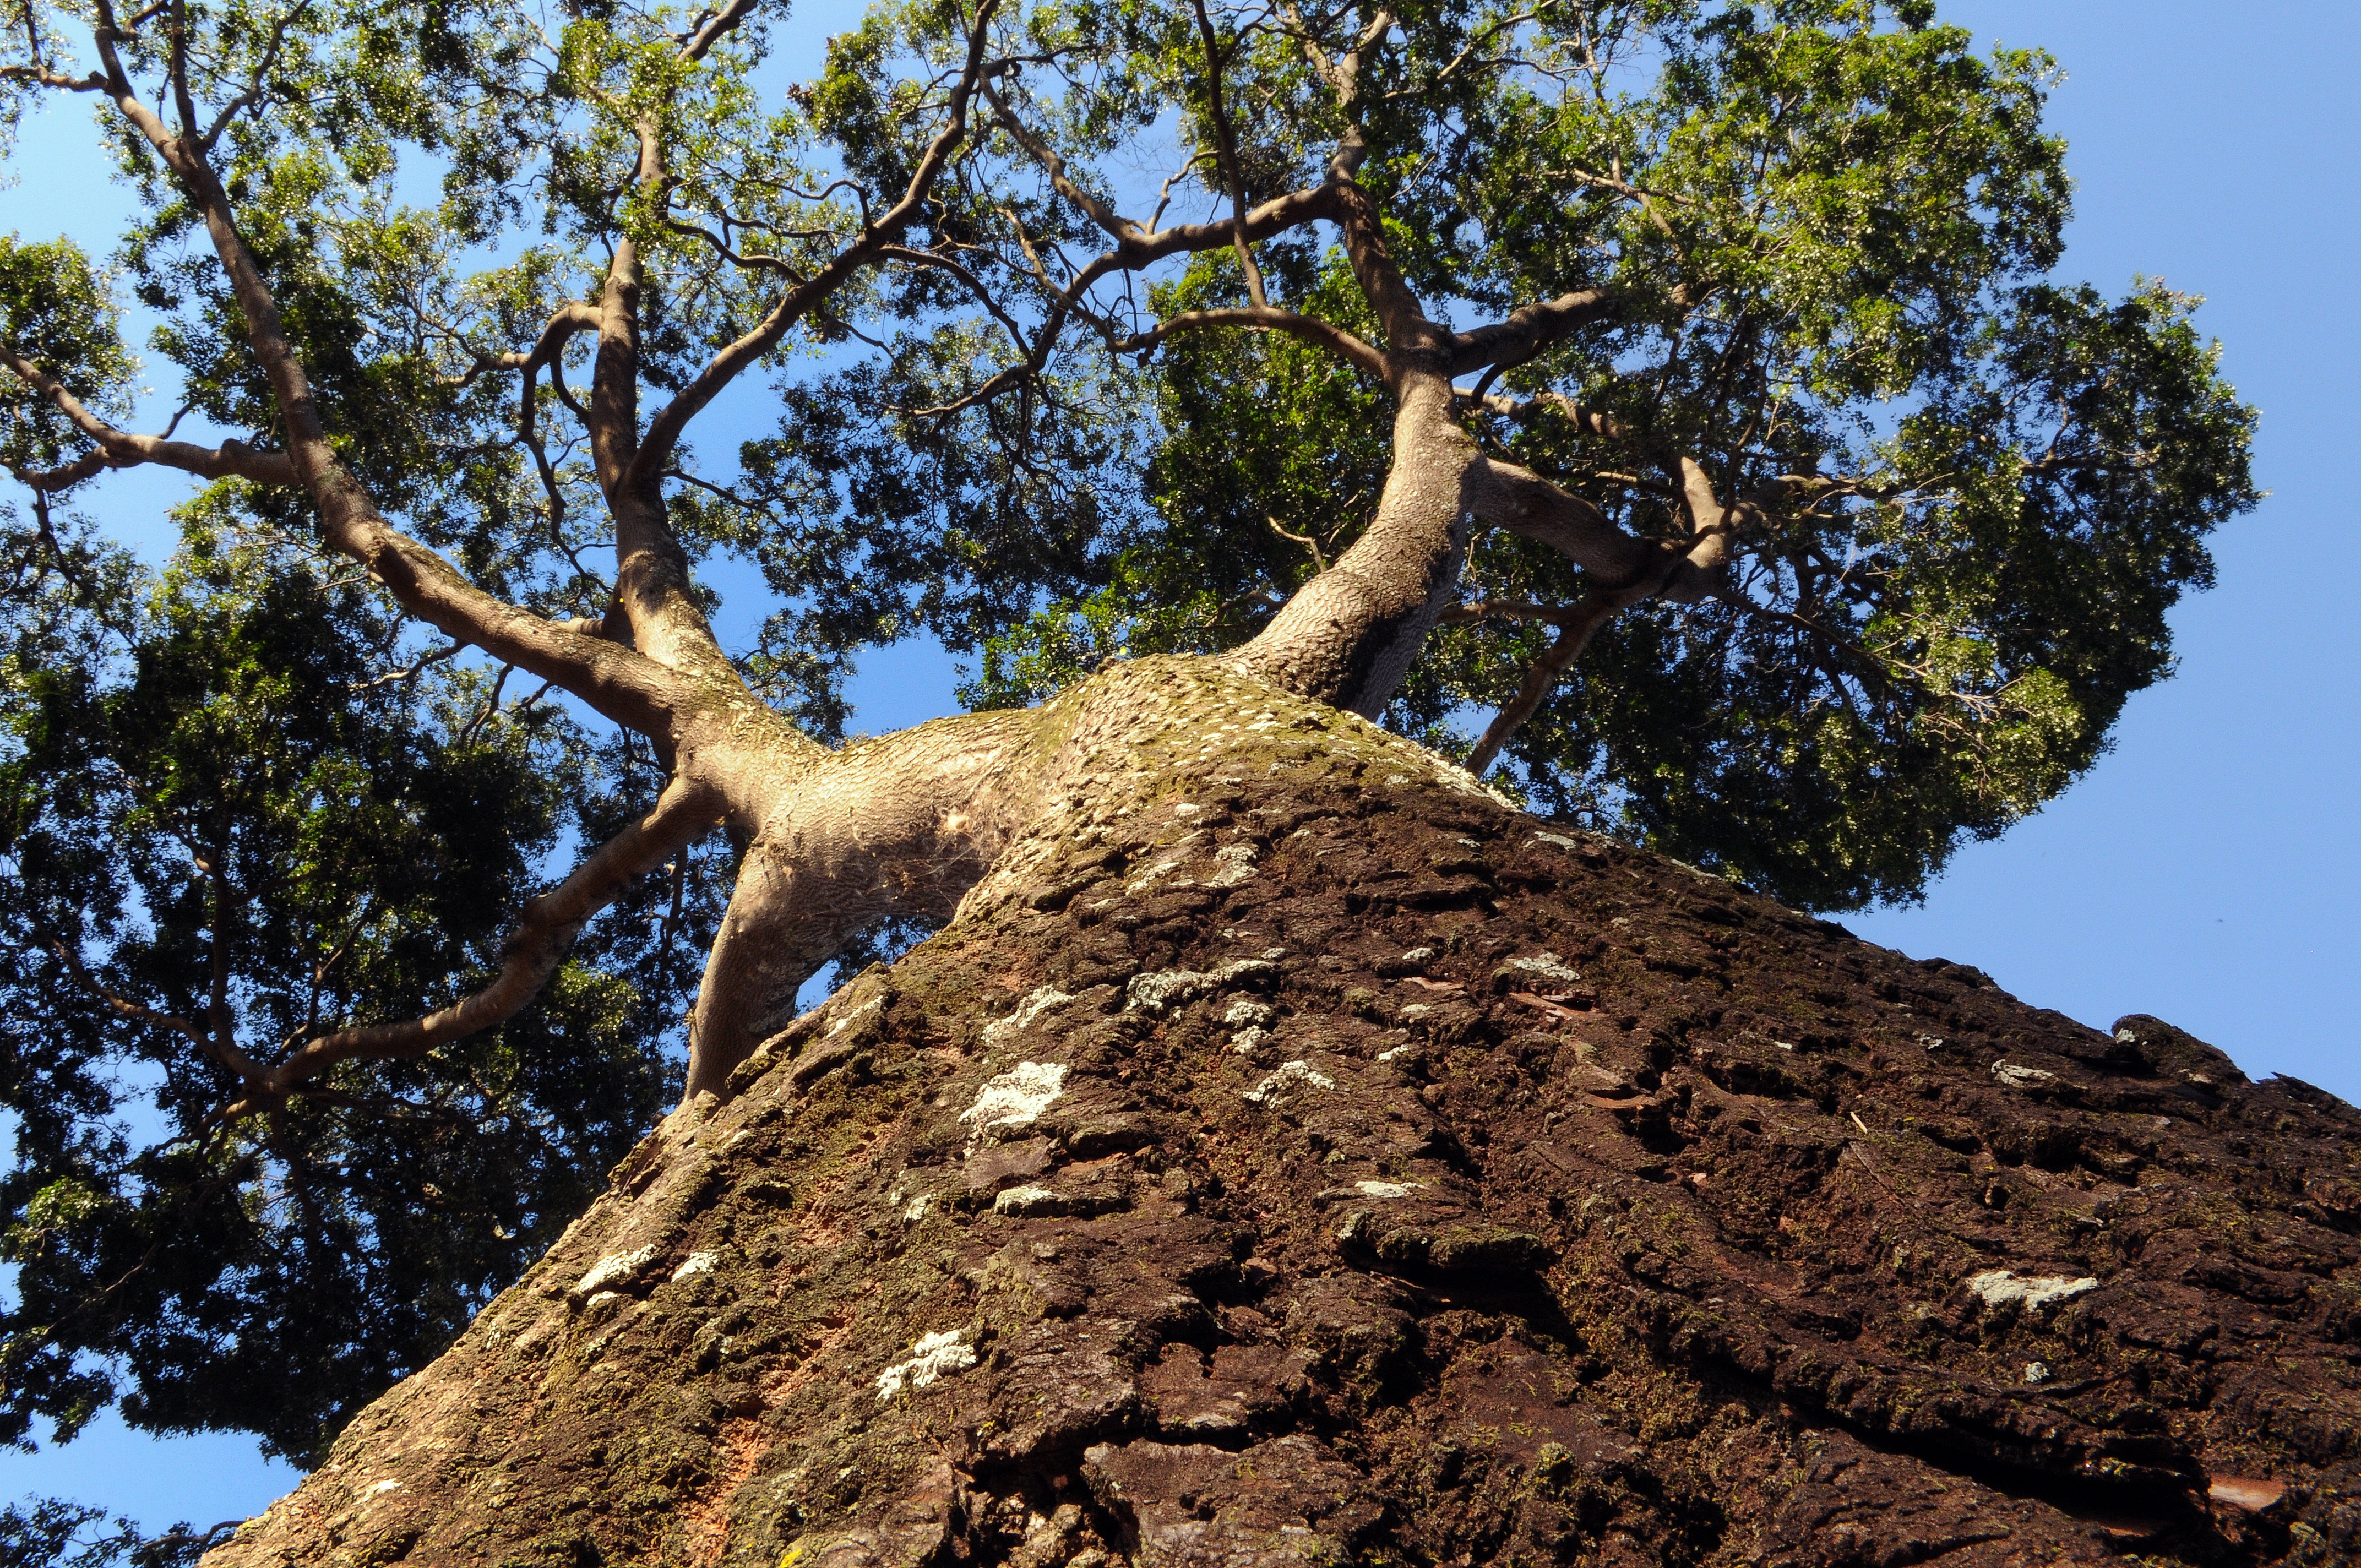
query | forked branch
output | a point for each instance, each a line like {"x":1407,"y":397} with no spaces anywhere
{"x":1226,"y":145}
{"x":222,"y":1050}
{"x":620,"y":684}
{"x":1624,"y":568}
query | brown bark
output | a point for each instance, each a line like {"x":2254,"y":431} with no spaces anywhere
{"x":1292,"y":1154}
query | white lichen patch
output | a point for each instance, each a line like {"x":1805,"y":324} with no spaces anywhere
{"x":1373,"y":1189}
{"x":1288,"y":1077}
{"x":1547,"y":966}
{"x":1170,"y":988}
{"x":1017,"y":1097}
{"x":1023,"y":1201}
{"x":1560,"y":839}
{"x":841,"y":1023}
{"x":1248,"y":1040}
{"x":1037,"y":1003}
{"x":615,"y":1268}
{"x":1163,"y":867}
{"x":933,"y":1358}
{"x":2021,"y":1077}
{"x":1397,"y":1052}
{"x":1237,"y":865}
{"x":1418,"y":956}
{"x":1998,"y":1287}
{"x":694,"y":1264}
{"x":1166,"y":988}
{"x":917,"y":1209}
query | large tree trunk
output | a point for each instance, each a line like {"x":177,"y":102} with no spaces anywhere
{"x":1292,"y":1154}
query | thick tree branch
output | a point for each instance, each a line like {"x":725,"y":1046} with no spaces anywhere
{"x":1227,"y":144}
{"x":1277,"y":215}
{"x":530,"y":955}
{"x":122,"y":449}
{"x":615,"y":368}
{"x":903,"y":825}
{"x":1528,"y":329}
{"x":1573,"y":525}
{"x":1343,"y":75}
{"x":39,"y":75}
{"x":1516,"y":498}
{"x":712,"y":26}
{"x":568,"y":320}
{"x":1411,"y":337}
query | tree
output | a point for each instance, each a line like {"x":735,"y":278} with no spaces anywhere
{"x":1860,"y":529}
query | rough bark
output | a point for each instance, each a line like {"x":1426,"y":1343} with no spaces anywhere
{"x":1290,"y":1154}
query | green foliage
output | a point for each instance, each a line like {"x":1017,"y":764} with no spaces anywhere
{"x":218,"y":804}
{"x":57,"y":311}
{"x":51,"y":1533}
{"x":1824,"y":227}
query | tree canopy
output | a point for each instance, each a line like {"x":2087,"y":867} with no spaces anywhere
{"x":1796,"y":520}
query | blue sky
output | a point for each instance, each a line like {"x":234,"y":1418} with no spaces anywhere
{"x":2209,"y":870}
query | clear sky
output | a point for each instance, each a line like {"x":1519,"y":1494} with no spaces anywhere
{"x":2209,"y":871}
